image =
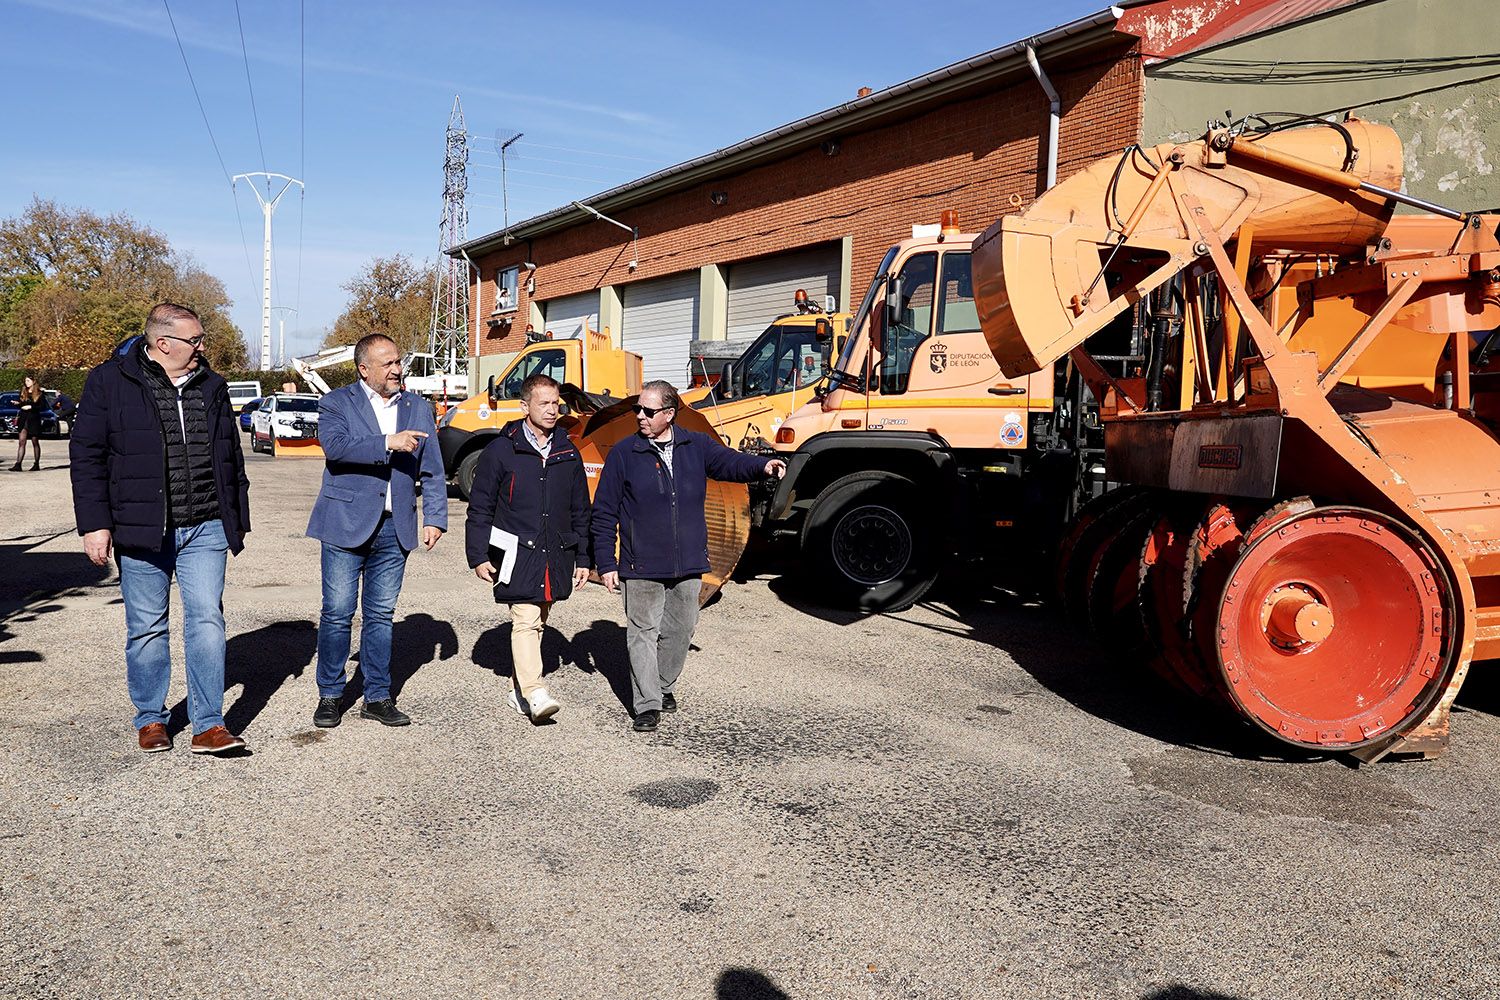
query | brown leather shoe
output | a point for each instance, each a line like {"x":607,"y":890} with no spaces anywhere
{"x":154,"y":739}
{"x":216,"y":740}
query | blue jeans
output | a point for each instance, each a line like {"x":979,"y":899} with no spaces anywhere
{"x":197,"y":556}
{"x":382,"y":563}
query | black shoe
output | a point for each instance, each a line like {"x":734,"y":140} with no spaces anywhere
{"x":384,"y":712}
{"x":329,"y":714}
{"x":36,"y":466}
{"x":16,"y":467}
{"x":669,"y":703}
{"x":646,"y":721}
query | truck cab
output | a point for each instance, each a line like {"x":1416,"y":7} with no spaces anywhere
{"x":775,"y":375}
{"x":919,"y":447}
{"x":591,"y":363}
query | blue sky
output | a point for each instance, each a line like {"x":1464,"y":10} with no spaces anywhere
{"x":107,"y":120}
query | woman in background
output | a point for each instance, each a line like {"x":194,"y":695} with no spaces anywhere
{"x":29,"y":424}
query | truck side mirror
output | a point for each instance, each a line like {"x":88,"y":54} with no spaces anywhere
{"x":489,"y":390}
{"x":725,"y":388}
{"x":893,"y":302}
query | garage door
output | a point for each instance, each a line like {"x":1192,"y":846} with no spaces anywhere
{"x":762,"y":289}
{"x":566,"y":316}
{"x":660,"y":321}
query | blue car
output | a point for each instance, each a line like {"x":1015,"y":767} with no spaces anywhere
{"x":247,"y":411}
{"x":10,"y":411}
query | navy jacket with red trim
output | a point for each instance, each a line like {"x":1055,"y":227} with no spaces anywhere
{"x":544,"y":504}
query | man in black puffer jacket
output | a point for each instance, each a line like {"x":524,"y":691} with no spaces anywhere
{"x":159,"y":479}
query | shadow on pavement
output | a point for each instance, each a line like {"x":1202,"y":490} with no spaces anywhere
{"x":31,"y":582}
{"x":747,"y":984}
{"x":1060,"y":656}
{"x":416,"y":641}
{"x":598,"y":649}
{"x":262,"y":660}
{"x":1180,"y":992}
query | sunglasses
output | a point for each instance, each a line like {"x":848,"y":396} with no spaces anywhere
{"x":650,"y":411}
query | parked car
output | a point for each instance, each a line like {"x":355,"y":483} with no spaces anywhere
{"x":247,"y":413}
{"x":10,"y":409}
{"x":283,"y":416}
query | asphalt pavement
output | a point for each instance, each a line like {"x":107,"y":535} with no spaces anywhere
{"x":969,"y":799}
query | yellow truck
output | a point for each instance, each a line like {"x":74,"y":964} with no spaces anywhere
{"x":754,"y":393}
{"x":592,"y":363}
{"x":919,"y":451}
{"x":774,"y":376}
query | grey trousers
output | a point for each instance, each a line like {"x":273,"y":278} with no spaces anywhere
{"x":660,"y":616}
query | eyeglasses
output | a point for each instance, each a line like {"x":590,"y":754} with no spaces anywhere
{"x":650,"y":411}
{"x":196,"y":342}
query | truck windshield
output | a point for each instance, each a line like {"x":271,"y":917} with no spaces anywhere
{"x":842,"y":370}
{"x":786,"y":357}
{"x":552,"y":362}
{"x":297,"y":405}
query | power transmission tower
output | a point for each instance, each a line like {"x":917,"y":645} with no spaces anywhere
{"x":267,"y":206}
{"x":448,"y":338}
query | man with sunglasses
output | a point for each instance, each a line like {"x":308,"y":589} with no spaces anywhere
{"x":159,"y":483}
{"x":650,"y":499}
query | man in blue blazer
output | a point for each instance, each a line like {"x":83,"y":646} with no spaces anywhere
{"x":380,"y":443}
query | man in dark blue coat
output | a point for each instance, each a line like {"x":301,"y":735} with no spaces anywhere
{"x":159,"y":480}
{"x":527,"y":533}
{"x":650,"y":499}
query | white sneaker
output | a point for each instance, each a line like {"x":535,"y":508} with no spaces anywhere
{"x":543,"y":705}
{"x":518,"y":704}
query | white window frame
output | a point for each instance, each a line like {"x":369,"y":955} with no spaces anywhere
{"x":507,"y":280}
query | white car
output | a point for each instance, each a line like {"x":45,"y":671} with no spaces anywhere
{"x":283,"y":416}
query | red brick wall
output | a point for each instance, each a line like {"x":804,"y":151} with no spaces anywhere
{"x":970,"y":155}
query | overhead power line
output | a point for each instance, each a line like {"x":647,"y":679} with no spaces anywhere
{"x":244,"y":244}
{"x":301,"y":141}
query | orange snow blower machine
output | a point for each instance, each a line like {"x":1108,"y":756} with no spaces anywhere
{"x":1307,"y":526}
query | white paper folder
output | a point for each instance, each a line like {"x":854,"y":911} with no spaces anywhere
{"x":508,"y":544}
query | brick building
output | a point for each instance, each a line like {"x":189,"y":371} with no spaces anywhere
{"x":723,"y":240}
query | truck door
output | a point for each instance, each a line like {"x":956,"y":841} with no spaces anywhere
{"x":908,"y":324}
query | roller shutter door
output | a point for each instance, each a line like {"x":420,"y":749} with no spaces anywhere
{"x":566,"y":316}
{"x":660,"y":321}
{"x":762,"y":289}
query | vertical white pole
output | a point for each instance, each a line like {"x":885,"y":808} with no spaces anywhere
{"x":265,"y":293}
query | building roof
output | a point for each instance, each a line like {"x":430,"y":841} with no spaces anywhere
{"x":1172,"y":28}
{"x":938,"y":85}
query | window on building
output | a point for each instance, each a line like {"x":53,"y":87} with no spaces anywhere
{"x":505,"y":289}
{"x":911,"y":325}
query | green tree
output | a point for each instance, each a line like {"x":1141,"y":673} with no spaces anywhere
{"x":71,"y":274}
{"x":389,"y":295}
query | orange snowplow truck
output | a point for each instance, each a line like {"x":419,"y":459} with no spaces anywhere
{"x":1309,"y":537}
{"x":919,"y":449}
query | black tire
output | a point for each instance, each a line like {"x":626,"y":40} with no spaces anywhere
{"x":867,"y":544}
{"x":254,"y":441}
{"x":465,"y":475}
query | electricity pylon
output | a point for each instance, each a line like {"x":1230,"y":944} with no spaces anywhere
{"x":267,"y":206}
{"x":449,"y":334}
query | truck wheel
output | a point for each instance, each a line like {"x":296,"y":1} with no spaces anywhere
{"x":466,"y":469}
{"x":868,"y":543}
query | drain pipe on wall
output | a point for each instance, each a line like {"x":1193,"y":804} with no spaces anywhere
{"x":1054,"y":113}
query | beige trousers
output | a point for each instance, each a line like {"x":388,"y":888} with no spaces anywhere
{"x":526,"y":624}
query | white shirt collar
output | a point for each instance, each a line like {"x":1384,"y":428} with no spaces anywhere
{"x":375,"y":398}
